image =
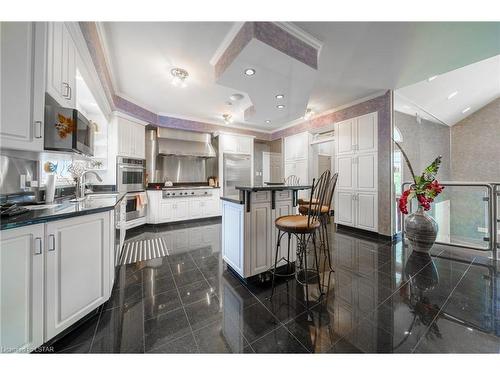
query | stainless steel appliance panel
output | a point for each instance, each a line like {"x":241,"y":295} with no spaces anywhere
{"x":237,"y":172}
{"x":181,"y":169}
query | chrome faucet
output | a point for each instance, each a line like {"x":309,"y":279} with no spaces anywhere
{"x":80,"y":184}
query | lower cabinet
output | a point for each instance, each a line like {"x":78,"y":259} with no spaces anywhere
{"x":357,"y":209}
{"x":52,"y":275}
{"x":21,"y":288}
{"x":177,"y":209}
{"x":77,"y":269}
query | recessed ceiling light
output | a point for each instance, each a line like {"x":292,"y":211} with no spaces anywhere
{"x":227,"y":118}
{"x":249,"y":71}
{"x":268,"y":121}
{"x":431,"y":78}
{"x":280,"y":96}
{"x":179,"y":77}
{"x":466,"y":110}
{"x":280,"y":106}
{"x":453,"y":94}
{"x":236,"y":97}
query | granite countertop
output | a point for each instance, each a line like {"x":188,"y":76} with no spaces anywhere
{"x":233,"y":199}
{"x":272,"y":187}
{"x":98,"y":202}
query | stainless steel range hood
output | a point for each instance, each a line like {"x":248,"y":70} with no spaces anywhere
{"x":184,"y":143}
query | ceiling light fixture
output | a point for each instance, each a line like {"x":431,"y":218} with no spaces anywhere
{"x":309,"y":113}
{"x":268,"y":121}
{"x":249,"y":71}
{"x":466,"y":110}
{"x":227,"y":118}
{"x":179,"y":77}
{"x":431,"y":78}
{"x":280,"y":106}
{"x":280,"y":96}
{"x":452,"y":95}
{"x":236,"y":97}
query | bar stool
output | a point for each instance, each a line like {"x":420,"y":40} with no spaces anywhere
{"x":303,"y":227}
{"x":324,"y":215}
{"x":292,"y":180}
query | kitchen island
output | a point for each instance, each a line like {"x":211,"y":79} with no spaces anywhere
{"x":248,"y":231}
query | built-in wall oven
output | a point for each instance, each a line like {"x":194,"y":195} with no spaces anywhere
{"x":130,"y":179}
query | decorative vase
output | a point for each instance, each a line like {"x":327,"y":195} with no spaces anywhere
{"x":421,"y":231}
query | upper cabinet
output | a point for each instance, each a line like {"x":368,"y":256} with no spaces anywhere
{"x":131,"y":138}
{"x":61,"y":65}
{"x":357,"y":134}
{"x":297,"y":147}
{"x":22,"y":76}
{"x":236,"y":143}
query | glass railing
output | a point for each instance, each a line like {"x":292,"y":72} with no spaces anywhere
{"x":467,"y":215}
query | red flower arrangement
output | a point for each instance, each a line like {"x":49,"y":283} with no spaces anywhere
{"x":425,"y":187}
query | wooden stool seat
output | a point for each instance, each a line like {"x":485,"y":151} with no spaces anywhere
{"x":304,"y":209}
{"x":296,"y":224}
{"x":303,"y":201}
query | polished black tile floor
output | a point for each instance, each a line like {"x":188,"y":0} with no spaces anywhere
{"x":381,"y":299}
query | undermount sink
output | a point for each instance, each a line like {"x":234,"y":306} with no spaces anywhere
{"x":42,"y":206}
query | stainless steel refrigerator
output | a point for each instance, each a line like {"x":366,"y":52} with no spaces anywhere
{"x":237,"y":172}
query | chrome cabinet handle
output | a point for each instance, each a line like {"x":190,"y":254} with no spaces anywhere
{"x":66,"y":86}
{"x":38,"y":246}
{"x":38,"y":126}
{"x":52,"y":242}
{"x":70,"y":92}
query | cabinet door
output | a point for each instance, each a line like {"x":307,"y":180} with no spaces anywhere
{"x":165,"y":213}
{"x":195,"y":208}
{"x":61,"y":65}
{"x":366,"y":211}
{"x":180,"y":210}
{"x":229,"y":143}
{"x":366,"y":131}
{"x":290,"y":151}
{"x":233,"y":236}
{"x":345,"y":136}
{"x":346,"y":168}
{"x":261,"y":236}
{"x":140,"y":141}
{"x":283,"y":208}
{"x":211,"y":207}
{"x":245,"y":145}
{"x":77,"y":269}
{"x":344,"y":208}
{"x":290,"y":169}
{"x":366,"y":171}
{"x":22,"y":63}
{"x":21,"y":288}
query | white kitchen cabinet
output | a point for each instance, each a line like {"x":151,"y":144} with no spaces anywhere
{"x":77,"y":269}
{"x":61,"y":65}
{"x":236,"y":143}
{"x":233,"y":236}
{"x":22,"y":85}
{"x":195,"y":208}
{"x":356,"y":161}
{"x":131,"y":138}
{"x":21,"y":288}
{"x":166,"y":210}
{"x":261,"y":228}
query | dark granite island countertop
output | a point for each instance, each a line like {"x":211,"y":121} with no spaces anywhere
{"x":93,"y":204}
{"x":272,"y":187}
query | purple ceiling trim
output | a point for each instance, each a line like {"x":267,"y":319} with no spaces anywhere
{"x":135,"y":110}
{"x":91,"y":36}
{"x":276,"y":37}
{"x":380,"y":104}
{"x":272,"y":35}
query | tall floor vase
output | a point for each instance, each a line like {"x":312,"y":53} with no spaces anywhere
{"x":421,"y":231}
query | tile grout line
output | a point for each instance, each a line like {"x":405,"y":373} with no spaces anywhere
{"x":183,"y":308}
{"x":444,"y":304}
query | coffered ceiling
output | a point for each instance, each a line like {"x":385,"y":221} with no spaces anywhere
{"x":356,"y":60}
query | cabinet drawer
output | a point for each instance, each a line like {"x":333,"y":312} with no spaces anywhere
{"x":283,"y":195}
{"x":260,"y":196}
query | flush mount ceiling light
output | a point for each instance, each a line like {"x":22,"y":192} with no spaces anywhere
{"x":466,"y":110}
{"x":452,"y":95}
{"x":236,"y":97}
{"x":431,"y":78}
{"x":249,"y":71}
{"x":309,"y":113}
{"x":280,"y":96}
{"x":268,"y":121}
{"x":179,"y":77}
{"x":227,"y":118}
{"x":280,"y":106}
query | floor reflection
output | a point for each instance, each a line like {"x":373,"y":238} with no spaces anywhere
{"x":382,"y":298}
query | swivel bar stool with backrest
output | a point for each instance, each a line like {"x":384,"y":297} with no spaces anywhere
{"x":292,"y":180}
{"x":303,"y":227}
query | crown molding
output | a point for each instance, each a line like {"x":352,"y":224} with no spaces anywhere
{"x":103,"y":41}
{"x":300,"y":34}
{"x":226,"y":42}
